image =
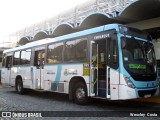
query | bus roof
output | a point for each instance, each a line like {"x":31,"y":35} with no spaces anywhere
{"x":64,"y":37}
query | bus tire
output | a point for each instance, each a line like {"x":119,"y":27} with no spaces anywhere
{"x":80,"y":94}
{"x":19,"y":86}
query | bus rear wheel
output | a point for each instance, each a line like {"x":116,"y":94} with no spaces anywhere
{"x":80,"y":94}
{"x":19,"y":87}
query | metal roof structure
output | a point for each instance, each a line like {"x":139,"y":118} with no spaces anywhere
{"x":143,"y":14}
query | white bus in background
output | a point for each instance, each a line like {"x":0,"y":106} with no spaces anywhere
{"x":113,"y":62}
{"x":157,"y":52}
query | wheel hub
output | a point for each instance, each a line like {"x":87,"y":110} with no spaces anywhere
{"x":80,"y":93}
{"x":19,"y":87}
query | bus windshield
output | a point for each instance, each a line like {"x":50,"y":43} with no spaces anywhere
{"x":139,"y":58}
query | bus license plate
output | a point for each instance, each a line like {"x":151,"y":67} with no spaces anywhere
{"x":148,"y":95}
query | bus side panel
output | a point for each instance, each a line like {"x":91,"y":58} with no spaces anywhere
{"x":25,"y":72}
{"x":57,"y":77}
{"x":73,"y":70}
{"x":114,"y":82}
{"x":4,"y":76}
{"x":49,"y":76}
{"x":14,"y":73}
{"x":33,"y":77}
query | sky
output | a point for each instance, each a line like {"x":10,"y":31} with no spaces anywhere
{"x":18,"y":14}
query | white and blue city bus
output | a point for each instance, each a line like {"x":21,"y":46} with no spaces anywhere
{"x":113,"y":62}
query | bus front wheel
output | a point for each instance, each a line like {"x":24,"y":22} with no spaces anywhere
{"x":19,"y":86}
{"x":80,"y":93}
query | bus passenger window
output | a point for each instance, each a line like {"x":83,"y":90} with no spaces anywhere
{"x":76,"y":50}
{"x":25,"y":57}
{"x":55,"y":53}
{"x":28,"y":56}
{"x":8,"y":61}
{"x":16,"y":59}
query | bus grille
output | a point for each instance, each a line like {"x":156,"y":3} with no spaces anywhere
{"x":142,"y":93}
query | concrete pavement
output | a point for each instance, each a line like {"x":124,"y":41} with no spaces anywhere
{"x":155,"y":99}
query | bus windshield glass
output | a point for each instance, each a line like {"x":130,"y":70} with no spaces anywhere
{"x":133,"y":32}
{"x":139,"y":58}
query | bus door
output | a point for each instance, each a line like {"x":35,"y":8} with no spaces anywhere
{"x":104,"y":65}
{"x":39,"y":72}
{"x":8,"y":65}
{"x":112,"y":68}
{"x":98,"y":68}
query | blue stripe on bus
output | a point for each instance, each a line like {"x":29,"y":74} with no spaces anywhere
{"x":58,"y":75}
{"x":55,"y":82}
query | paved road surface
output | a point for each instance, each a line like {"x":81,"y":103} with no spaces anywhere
{"x":47,"y":101}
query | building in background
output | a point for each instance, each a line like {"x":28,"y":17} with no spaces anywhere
{"x":142,"y":14}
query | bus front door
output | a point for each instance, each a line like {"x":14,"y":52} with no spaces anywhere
{"x":112,"y":68}
{"x":98,"y":68}
{"x":103,"y":68}
{"x":39,"y":72}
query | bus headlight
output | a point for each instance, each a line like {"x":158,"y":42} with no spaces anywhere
{"x":129,"y":82}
